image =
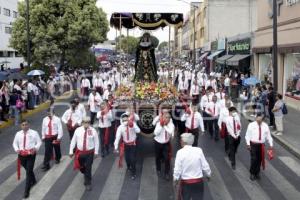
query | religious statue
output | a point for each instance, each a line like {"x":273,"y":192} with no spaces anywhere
{"x":145,"y":65}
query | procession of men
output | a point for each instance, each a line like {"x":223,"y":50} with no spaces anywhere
{"x":95,"y":129}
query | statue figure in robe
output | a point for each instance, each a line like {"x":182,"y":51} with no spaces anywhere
{"x":145,"y":65}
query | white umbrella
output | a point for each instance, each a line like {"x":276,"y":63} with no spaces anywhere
{"x":35,"y":73}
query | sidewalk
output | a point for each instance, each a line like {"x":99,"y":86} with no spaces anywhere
{"x":40,"y":108}
{"x":291,"y":136}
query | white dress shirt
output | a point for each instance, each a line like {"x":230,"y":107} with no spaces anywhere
{"x":252,"y":133}
{"x":220,"y":95}
{"x":190,"y":163}
{"x":183,"y":85}
{"x":163,"y":134}
{"x":92,"y":140}
{"x":227,"y":82}
{"x":73,"y":115}
{"x":211,"y":83}
{"x":85,"y":83}
{"x":235,"y":133}
{"x":127,"y":136}
{"x":198,"y":120}
{"x":80,"y":109}
{"x":105,"y":120}
{"x":97,"y":82}
{"x":105,"y":95}
{"x":222,"y":103}
{"x":56,"y":127}
{"x":94,"y":102}
{"x":204,"y":101}
{"x":224,"y":113}
{"x":32,"y":141}
{"x":195,"y":90}
{"x":213,"y":109}
{"x":30,"y":87}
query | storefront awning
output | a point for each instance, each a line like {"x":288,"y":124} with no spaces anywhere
{"x":204,"y":55}
{"x":222,"y":60}
{"x":213,"y":55}
{"x":234,"y":61}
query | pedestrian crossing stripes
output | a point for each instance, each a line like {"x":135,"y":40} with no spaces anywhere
{"x":11,"y":183}
{"x":148,"y":185}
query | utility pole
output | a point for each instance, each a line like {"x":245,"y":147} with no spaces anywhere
{"x":194,"y":45}
{"x":28,"y":34}
{"x":275,"y":47}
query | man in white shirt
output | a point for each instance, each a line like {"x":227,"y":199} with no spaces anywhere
{"x":52,"y":133}
{"x":220,"y":94}
{"x":226,"y":100}
{"x":26,"y":143}
{"x":98,"y":84}
{"x":105,"y":121}
{"x":183,"y":84}
{"x":193,"y":123}
{"x":233,"y":126}
{"x":226,"y":84}
{"x":84,"y":87}
{"x":213,"y":110}
{"x":107,"y":92}
{"x":190,"y":164}
{"x":86,"y":142}
{"x":224,"y":113}
{"x":94,"y":102}
{"x":163,"y":133}
{"x":30,"y":94}
{"x":72,"y":119}
{"x":257,"y":134}
{"x":80,"y":108}
{"x":195,"y":92}
{"x":127,"y":131}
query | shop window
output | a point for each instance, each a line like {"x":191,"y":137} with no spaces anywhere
{"x":6,"y":12}
{"x":15,"y":14}
{"x":17,"y":54}
{"x":10,"y":54}
{"x":8,"y":30}
{"x":292,"y":75}
{"x":1,"y":54}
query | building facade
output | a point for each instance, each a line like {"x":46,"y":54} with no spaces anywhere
{"x":288,"y":47}
{"x":9,"y":58}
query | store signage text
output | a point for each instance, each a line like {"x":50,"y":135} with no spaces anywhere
{"x":292,"y":2}
{"x":239,"y":47}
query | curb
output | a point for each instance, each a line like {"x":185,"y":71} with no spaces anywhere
{"x":40,"y":108}
{"x":286,"y":145}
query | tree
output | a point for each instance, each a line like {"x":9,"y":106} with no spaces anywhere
{"x":128,"y":44}
{"x":162,"y":46}
{"x":59,"y":28}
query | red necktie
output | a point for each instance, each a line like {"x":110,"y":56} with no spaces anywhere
{"x":193,"y":121}
{"x":84,"y":141}
{"x":50,"y":126}
{"x":259,"y":129}
{"x":234,"y":126}
{"x":24,"y":141}
{"x":70,"y":120}
{"x":127,"y":133}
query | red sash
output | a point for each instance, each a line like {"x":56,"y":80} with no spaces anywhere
{"x":23,"y":153}
{"x":77,"y":154}
{"x":106,"y":136}
{"x":223,"y":131}
{"x":188,"y":181}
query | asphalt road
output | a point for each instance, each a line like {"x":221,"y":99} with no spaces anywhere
{"x":279,"y":181}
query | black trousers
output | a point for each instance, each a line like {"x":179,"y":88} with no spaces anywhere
{"x":86,"y":161}
{"x":255,"y":154}
{"x":71,"y":133}
{"x":130,"y":157}
{"x":226,"y":141}
{"x":49,"y":146}
{"x":271,"y":115}
{"x":102,"y":135}
{"x":112,"y":135}
{"x":28,"y":163}
{"x":205,"y":121}
{"x":193,"y":191}
{"x":213,"y":128}
{"x":195,"y":132}
{"x":162,"y":154}
{"x":233,"y":145}
{"x":93,"y":116}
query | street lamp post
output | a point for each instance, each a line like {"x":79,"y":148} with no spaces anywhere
{"x":275,"y":47}
{"x":28,"y":34}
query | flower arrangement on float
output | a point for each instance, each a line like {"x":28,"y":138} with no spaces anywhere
{"x":147,"y":92}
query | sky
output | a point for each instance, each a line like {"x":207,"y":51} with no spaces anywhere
{"x":164,"y":6}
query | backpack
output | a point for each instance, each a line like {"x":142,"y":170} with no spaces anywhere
{"x":284,"y":109}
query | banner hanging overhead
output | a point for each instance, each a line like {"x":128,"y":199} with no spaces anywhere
{"x":147,"y":21}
